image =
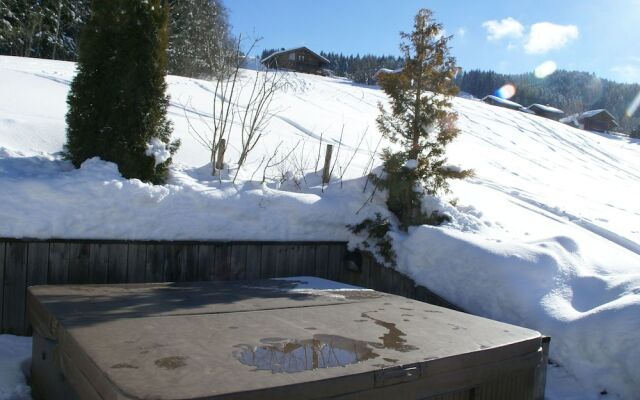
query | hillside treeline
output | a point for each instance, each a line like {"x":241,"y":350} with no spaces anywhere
{"x":570,"y":91}
{"x":199,"y":33}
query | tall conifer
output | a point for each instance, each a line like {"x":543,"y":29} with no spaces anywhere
{"x":420,"y":121}
{"x":117,"y":102}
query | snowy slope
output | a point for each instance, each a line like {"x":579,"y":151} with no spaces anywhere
{"x":546,"y":235}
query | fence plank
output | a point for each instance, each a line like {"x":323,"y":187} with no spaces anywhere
{"x":351,"y":270}
{"x":182,"y":263}
{"x":298,"y":261}
{"x":308,"y":261}
{"x":117,"y":270}
{"x":98,"y":262}
{"x":322,"y":261}
{"x":269,"y":261}
{"x":336,"y":261}
{"x":156,"y":259}
{"x":25,"y":263}
{"x":284,"y":263}
{"x":58,"y":263}
{"x":136,"y":263}
{"x":222,"y":269}
{"x":37,"y":268}
{"x":15,"y":287}
{"x":253,"y":262}
{"x":365,"y":274}
{"x":2,"y":269}
{"x":79,"y":258}
{"x":238,"y":263}
{"x":37,"y":263}
{"x":175,"y":262}
{"x":190,"y":271}
{"x":206,"y":262}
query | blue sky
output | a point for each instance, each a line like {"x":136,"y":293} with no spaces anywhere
{"x":507,"y":36}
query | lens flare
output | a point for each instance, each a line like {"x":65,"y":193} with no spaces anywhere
{"x":506,"y":92}
{"x":633,"y":107}
{"x":545,"y":69}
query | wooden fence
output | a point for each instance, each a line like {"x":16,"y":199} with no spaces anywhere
{"x":25,"y":263}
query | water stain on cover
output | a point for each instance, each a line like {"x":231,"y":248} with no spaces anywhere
{"x":291,"y":355}
{"x":322,"y":351}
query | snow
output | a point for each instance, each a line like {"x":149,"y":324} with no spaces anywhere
{"x":158,"y":150}
{"x":15,"y":362}
{"x":411,"y":164}
{"x":320,"y":287}
{"x":591,"y":113}
{"x":502,"y":101}
{"x":306,"y":283}
{"x":547,"y":108}
{"x":545,"y":235}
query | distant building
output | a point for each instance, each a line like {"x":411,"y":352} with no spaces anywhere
{"x":546,"y":111}
{"x":385,"y":71}
{"x":594,"y":120}
{"x":500,"y":102}
{"x":300,"y":59}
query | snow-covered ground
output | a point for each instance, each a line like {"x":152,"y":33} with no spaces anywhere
{"x":15,"y":360}
{"x":546,"y":235}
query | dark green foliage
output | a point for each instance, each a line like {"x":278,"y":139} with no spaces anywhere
{"x":420,"y":121}
{"x":570,"y":91}
{"x":117,"y":102}
{"x":378,"y":232}
{"x":636,"y":133}
{"x":41,"y":28}
{"x":200,"y":41}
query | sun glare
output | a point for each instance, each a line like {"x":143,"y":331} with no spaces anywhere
{"x":507,"y":91}
{"x":545,"y":69}
{"x":633,"y":107}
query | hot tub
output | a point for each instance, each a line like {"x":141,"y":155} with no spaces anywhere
{"x":270,"y":339}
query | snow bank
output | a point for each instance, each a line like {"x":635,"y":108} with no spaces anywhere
{"x":593,"y":318}
{"x":44,"y":197}
{"x":15,"y":362}
{"x":545,"y":235}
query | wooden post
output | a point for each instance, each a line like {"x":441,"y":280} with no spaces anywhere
{"x":326,"y":172}
{"x":220,"y":158}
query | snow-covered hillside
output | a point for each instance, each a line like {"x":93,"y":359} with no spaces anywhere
{"x":546,"y":235}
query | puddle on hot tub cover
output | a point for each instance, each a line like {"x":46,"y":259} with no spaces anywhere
{"x":290,"y":355}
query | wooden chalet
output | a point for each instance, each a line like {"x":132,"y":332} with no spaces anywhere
{"x":300,"y":59}
{"x":599,"y":120}
{"x":546,"y":111}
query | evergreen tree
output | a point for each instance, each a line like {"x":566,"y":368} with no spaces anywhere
{"x":200,"y":41}
{"x":41,"y":28}
{"x":636,"y":133}
{"x":117,"y":102}
{"x":420,"y":121}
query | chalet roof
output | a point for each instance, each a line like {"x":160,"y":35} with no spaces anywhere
{"x":548,"y":109}
{"x":576,"y":119}
{"x":277,"y":53}
{"x":593,"y":113}
{"x":502,"y":101}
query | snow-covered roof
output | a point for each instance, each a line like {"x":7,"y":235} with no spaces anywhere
{"x":502,"y":101}
{"x":593,"y":113}
{"x":548,"y":109}
{"x":295,"y":49}
{"x":382,"y":71}
{"x":570,"y":120}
